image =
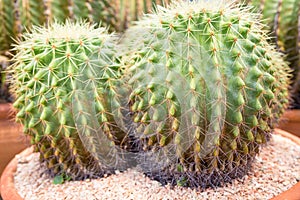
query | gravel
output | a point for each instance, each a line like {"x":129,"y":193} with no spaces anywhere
{"x":275,"y":170}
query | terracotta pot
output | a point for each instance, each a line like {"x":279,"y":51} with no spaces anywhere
{"x":290,"y":122}
{"x":12,"y":140}
{"x":9,"y":192}
{"x":294,"y":192}
{"x":6,"y":111}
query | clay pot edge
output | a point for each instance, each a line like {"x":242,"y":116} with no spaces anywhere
{"x":8,"y":190}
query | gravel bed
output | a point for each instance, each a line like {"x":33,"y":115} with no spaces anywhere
{"x":275,"y":170}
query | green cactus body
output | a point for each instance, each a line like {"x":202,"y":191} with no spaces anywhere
{"x":50,"y":66}
{"x":282,"y":20}
{"x":30,"y":13}
{"x":207,"y":87}
{"x":6,"y":24}
{"x":128,"y":11}
{"x":4,"y":95}
{"x":102,"y":11}
{"x":16,"y":17}
{"x":57,"y":10}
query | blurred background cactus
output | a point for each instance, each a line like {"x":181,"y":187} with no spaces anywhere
{"x":128,"y":11}
{"x":4,"y":86}
{"x":17,"y":16}
{"x":283,"y":23}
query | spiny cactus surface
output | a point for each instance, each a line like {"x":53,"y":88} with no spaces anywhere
{"x":282,"y":18}
{"x":283,"y":23}
{"x":207,"y":89}
{"x":54,"y":69}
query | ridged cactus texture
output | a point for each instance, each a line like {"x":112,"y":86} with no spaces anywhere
{"x":128,"y":11}
{"x":283,"y":22}
{"x":282,"y":18}
{"x":54,"y":67}
{"x":17,"y":16}
{"x":207,"y":89}
{"x":4,"y":94}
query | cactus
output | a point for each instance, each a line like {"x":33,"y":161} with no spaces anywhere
{"x":51,"y":69}
{"x":282,"y":20}
{"x":6,"y":24}
{"x":129,"y":11}
{"x":4,"y":95}
{"x":17,"y":16}
{"x":207,"y":89}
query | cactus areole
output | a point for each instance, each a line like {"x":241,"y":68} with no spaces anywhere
{"x":207,"y":89}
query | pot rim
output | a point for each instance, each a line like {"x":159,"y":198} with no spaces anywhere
{"x":9,"y":192}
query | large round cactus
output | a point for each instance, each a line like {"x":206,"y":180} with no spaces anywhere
{"x":207,"y":89}
{"x":54,"y":71}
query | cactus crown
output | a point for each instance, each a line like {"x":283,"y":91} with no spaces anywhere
{"x":206,"y":89}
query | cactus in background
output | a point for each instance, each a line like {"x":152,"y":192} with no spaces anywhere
{"x":128,"y":11}
{"x":94,"y":11}
{"x":282,"y":20}
{"x":207,"y":89}
{"x":50,"y":67}
{"x":4,"y":94}
{"x":17,"y":16}
{"x":6,"y":24}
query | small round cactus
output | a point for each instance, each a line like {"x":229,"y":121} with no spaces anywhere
{"x":54,"y":69}
{"x":207,"y":89}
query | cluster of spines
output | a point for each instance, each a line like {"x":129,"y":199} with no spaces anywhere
{"x":236,"y":104}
